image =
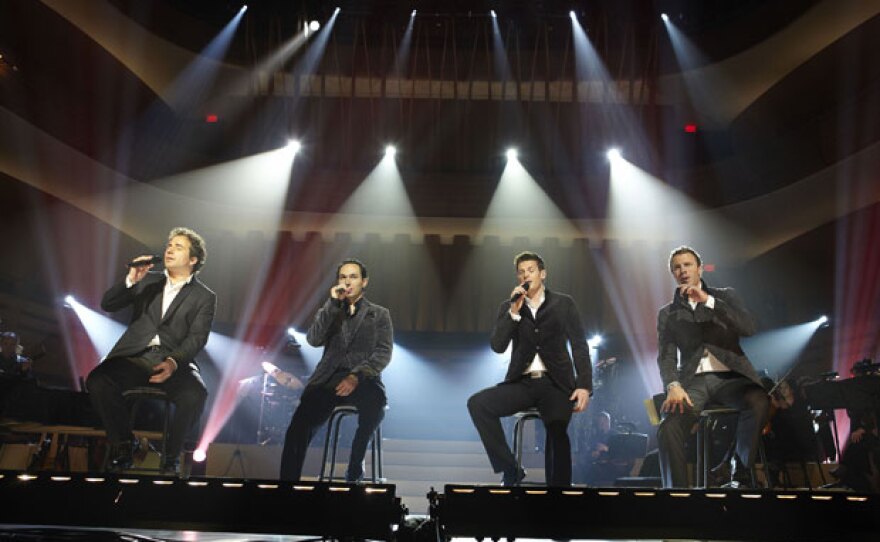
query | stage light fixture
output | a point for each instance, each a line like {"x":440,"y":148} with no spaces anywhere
{"x":573,"y":15}
{"x":595,"y":341}
{"x":199,"y":455}
{"x":492,"y":13}
{"x":243,"y":9}
{"x":614,"y":154}
{"x":336,"y":11}
{"x":291,"y":332}
{"x":390,"y":151}
{"x":294,"y":145}
{"x":413,"y":14}
{"x":822,"y":320}
{"x":512,"y":154}
{"x":314,"y":26}
{"x":69,"y":300}
{"x":665,"y":17}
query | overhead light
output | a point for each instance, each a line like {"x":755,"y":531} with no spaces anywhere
{"x":294,"y":145}
{"x":314,"y":26}
{"x":390,"y":151}
{"x":613,"y":154}
{"x":512,"y":153}
{"x":665,"y":17}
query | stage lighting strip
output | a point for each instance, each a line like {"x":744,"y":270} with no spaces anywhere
{"x":536,"y":492}
{"x":645,"y":494}
{"x":857,"y":499}
{"x":499,"y":491}
{"x":462,"y":490}
{"x":716,"y":495}
{"x":197,"y":484}
{"x":609,"y":493}
{"x":60,"y":478}
{"x":96,"y":480}
{"x":303,"y":488}
{"x":342,"y":489}
{"x":376,"y":490}
{"x":679,"y":494}
{"x":786,"y":497}
{"x":129,"y":481}
{"x":235,"y":485}
{"x":751,"y":496}
{"x":267,"y":486}
{"x":163,"y":482}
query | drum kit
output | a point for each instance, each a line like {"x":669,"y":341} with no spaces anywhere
{"x":278,"y":394}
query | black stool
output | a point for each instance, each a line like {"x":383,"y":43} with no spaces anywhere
{"x":333,"y":425}
{"x":518,"y":427}
{"x":708,"y":417}
{"x":140,"y":394}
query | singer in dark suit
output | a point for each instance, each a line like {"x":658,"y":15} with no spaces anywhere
{"x":171,"y":318}
{"x":540,"y":374}
{"x":357,"y":338}
{"x":704,"y":326}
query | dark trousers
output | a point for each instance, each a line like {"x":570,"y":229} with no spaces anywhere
{"x":728,"y":389}
{"x":315,"y":406}
{"x":111,"y":378}
{"x":487,"y":407}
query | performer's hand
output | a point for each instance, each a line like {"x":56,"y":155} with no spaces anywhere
{"x":135,"y":274}
{"x":163,"y":371}
{"x":857,"y":435}
{"x":338,"y":292}
{"x":348,"y":384}
{"x":517,"y":305}
{"x":676,"y":398}
{"x":581,"y":397}
{"x":693,"y":293}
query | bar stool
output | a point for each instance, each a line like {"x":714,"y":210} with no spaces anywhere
{"x":136,"y":396}
{"x":518,"y":427}
{"x":333,"y":424}
{"x":708,"y":417}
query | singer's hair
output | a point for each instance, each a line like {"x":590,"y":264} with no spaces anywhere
{"x":197,"y":248}
{"x":528,"y":257}
{"x":10,"y":335}
{"x":684,"y":249}
{"x":354,"y":261}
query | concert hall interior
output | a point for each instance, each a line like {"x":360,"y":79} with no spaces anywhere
{"x":434,"y":140}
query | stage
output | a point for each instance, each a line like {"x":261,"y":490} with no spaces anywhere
{"x":204,"y":508}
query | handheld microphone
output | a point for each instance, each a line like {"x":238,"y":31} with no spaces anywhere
{"x":340,"y":290}
{"x":526,"y":285}
{"x":144,"y":263}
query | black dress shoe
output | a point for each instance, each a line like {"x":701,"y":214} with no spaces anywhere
{"x":122,"y":456}
{"x":513,"y":478}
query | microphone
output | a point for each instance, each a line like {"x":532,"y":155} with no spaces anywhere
{"x":526,"y":285}
{"x":144,"y":263}
{"x":340,"y":290}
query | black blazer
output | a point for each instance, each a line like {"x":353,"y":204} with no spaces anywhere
{"x":679,"y":328}
{"x":365,"y":350}
{"x":557,"y":321}
{"x":183,"y":330}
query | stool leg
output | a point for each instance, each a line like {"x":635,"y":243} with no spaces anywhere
{"x":378,"y":448}
{"x":166,"y":423}
{"x":335,"y":446}
{"x":330,"y":423}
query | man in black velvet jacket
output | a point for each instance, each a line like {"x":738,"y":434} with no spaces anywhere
{"x":704,"y":326}
{"x":357,"y":337}
{"x":172,"y":313}
{"x":540,"y":373}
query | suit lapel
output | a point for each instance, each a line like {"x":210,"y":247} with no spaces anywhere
{"x":358,"y":320}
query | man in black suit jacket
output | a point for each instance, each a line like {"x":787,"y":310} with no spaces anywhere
{"x":704,"y":325}
{"x":357,"y":338}
{"x":171,"y":318}
{"x":540,"y":373}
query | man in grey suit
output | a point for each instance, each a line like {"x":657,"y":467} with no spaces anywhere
{"x":357,"y":338}
{"x":171,"y":318}
{"x":704,"y":325}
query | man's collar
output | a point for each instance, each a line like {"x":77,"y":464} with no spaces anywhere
{"x":185,"y":282}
